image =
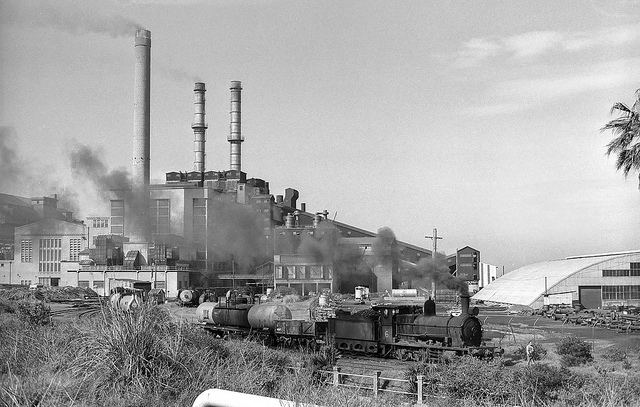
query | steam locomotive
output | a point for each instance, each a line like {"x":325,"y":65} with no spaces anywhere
{"x":397,"y":331}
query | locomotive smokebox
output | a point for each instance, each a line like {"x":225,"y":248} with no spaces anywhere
{"x":464,"y":303}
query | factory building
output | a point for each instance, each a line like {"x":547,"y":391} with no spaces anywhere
{"x":595,"y":281}
{"x":17,"y":211}
{"x":201,"y":227}
{"x":45,"y":250}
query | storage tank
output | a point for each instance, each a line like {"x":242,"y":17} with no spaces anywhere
{"x":265,"y":315}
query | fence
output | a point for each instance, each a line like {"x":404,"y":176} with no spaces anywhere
{"x":374,"y":383}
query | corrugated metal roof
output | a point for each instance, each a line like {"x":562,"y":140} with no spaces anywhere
{"x":523,"y":286}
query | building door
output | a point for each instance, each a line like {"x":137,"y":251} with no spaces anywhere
{"x":590,"y":297}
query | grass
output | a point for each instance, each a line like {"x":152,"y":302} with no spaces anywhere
{"x":147,"y":359}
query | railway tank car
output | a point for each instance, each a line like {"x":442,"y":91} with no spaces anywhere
{"x":126,"y":299}
{"x":188,"y":298}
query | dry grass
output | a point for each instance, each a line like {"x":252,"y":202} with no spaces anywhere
{"x":147,"y":359}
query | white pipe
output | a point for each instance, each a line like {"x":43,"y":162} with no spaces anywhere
{"x":225,"y":398}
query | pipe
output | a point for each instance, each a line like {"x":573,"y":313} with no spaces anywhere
{"x":235,"y":135}
{"x":199,"y":126}
{"x":225,"y":398}
{"x":138,"y":232}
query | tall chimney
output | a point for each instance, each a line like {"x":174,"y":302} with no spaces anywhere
{"x":235,"y":136}
{"x":141,"y":137}
{"x":199,"y":126}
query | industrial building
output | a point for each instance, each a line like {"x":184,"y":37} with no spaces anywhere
{"x":203,"y":227}
{"x":595,"y":281}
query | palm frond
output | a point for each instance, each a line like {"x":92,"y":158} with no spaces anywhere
{"x":621,"y":107}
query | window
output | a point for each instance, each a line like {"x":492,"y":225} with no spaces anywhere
{"x":83,"y":284}
{"x":50,"y":255}
{"x":328,"y":272}
{"x":621,"y":292}
{"x":315,"y":272}
{"x":279,"y":273}
{"x":100,"y":223}
{"x":98,"y":284}
{"x":291,"y":272}
{"x":159,"y":215}
{"x":117,"y":217}
{"x":300,"y":272}
{"x":615,"y":273}
{"x":26,"y":251}
{"x":74,"y":249}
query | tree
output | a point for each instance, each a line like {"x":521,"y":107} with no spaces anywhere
{"x":626,"y":144}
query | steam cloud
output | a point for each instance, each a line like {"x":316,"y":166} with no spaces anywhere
{"x":12,"y":171}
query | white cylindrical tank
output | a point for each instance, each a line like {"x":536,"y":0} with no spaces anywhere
{"x":265,"y":315}
{"x":404,"y":292}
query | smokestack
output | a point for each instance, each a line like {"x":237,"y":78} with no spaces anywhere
{"x":464,"y":304}
{"x":199,"y":126}
{"x":141,"y":109}
{"x":235,"y":137}
{"x":141,"y":136}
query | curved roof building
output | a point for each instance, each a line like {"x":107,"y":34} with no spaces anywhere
{"x":595,"y":280}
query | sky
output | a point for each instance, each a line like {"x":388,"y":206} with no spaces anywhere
{"x":480,"y":119}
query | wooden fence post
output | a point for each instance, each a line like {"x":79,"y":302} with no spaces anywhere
{"x":376,"y":379}
{"x":336,"y":375}
{"x":420,"y":379}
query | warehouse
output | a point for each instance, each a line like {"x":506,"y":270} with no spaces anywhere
{"x":596,"y":281}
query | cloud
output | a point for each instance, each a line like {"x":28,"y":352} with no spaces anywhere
{"x":521,"y":94}
{"x":536,"y":43}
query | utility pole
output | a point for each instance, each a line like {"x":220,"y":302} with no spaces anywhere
{"x":435,"y":238}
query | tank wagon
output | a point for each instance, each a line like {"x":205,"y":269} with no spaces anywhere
{"x":397,"y":331}
{"x":126,"y":299}
{"x":188,"y":298}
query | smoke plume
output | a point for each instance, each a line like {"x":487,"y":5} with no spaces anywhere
{"x":75,"y":17}
{"x":436,"y":270}
{"x":13,"y":173}
{"x":236,"y":230}
{"x":87,"y":164}
{"x":385,"y":247}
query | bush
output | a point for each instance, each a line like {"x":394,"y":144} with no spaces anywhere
{"x":615,"y":354}
{"x":574,"y":351}
{"x":34,"y":313}
{"x":539,"y":352}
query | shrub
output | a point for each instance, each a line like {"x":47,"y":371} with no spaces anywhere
{"x":539,"y":352}
{"x":34,"y":313}
{"x":574,"y":351}
{"x":615,"y":354}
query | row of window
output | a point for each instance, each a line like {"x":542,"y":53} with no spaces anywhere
{"x":313,"y":272}
{"x":50,"y":252}
{"x":100,"y":222}
{"x":632,"y":271}
{"x":621,"y":292}
{"x":50,"y":255}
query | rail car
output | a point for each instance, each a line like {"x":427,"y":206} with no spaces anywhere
{"x":402,"y":332}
